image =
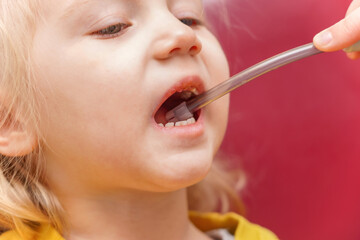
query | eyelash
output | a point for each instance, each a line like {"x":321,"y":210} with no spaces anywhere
{"x":190,"y":21}
{"x":112,"y":30}
{"x":115,"y":30}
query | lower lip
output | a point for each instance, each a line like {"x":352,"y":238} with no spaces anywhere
{"x":189,"y":131}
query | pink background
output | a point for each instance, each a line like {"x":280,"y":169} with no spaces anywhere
{"x":296,"y":131}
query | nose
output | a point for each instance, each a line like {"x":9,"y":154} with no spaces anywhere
{"x":176,"y":38}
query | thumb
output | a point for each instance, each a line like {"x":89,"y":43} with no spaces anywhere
{"x":341,"y":35}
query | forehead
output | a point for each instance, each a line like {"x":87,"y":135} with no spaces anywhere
{"x":68,"y":6}
{"x":62,"y":9}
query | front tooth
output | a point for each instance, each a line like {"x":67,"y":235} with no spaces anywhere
{"x":185,"y":95}
{"x":170,"y":124}
{"x":161,"y":125}
{"x":194,"y":91}
{"x":181,"y":123}
{"x":191,"y":121}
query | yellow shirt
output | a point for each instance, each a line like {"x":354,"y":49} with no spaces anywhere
{"x":235,"y":224}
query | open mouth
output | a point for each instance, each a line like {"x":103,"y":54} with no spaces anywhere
{"x":181,"y":95}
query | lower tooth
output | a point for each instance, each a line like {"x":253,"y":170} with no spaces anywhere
{"x":181,"y":123}
{"x":191,"y":121}
{"x":170,"y":124}
{"x":178,"y":124}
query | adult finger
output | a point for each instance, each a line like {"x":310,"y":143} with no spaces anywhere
{"x":341,"y":35}
{"x":353,"y":5}
{"x":353,"y":55}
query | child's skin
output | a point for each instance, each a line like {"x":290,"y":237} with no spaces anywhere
{"x":117,"y":174}
{"x":115,"y":171}
{"x":343,"y":34}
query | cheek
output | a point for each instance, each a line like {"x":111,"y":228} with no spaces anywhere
{"x":87,"y":102}
{"x":218,"y":68}
{"x":219,"y":111}
{"x":214,"y":58}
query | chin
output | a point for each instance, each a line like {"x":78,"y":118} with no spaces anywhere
{"x":183,"y":170}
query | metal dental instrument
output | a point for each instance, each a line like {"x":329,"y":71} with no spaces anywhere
{"x":185,"y":110}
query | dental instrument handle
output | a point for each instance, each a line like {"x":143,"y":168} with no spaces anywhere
{"x":182,"y":111}
{"x":251,"y":73}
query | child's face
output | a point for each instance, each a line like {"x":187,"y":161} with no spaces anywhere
{"x":104,"y":68}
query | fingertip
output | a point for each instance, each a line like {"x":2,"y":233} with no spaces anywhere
{"x":323,"y":40}
{"x":353,"y":55}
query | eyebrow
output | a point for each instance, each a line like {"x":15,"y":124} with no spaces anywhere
{"x":75,"y":6}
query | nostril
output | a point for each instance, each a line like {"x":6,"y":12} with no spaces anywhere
{"x":174,"y":50}
{"x":193,"y":49}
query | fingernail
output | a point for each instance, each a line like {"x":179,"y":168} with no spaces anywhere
{"x":324,"y":38}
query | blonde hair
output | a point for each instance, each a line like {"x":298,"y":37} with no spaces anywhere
{"x":25,"y":201}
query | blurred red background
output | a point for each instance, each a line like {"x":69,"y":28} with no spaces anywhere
{"x":295,"y":131}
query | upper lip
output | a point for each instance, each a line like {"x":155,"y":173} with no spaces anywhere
{"x":184,"y":83}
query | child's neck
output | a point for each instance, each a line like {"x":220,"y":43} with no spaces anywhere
{"x":130,"y":215}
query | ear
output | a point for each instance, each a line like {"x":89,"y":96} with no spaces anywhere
{"x":15,"y":138}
